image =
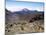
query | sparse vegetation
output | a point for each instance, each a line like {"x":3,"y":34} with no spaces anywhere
{"x":30,"y":21}
{"x":24,"y":23}
{"x":11,"y":25}
{"x":22,"y":28}
{"x":8,"y":30}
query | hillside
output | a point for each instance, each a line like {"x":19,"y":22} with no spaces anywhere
{"x":24,"y":21}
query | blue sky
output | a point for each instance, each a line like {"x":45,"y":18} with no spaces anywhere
{"x":13,"y":5}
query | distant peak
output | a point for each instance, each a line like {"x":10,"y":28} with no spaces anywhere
{"x":25,"y":9}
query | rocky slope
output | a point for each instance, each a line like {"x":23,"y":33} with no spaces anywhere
{"x":24,"y":22}
{"x":25,"y":27}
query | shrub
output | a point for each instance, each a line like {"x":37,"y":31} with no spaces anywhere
{"x":23,"y":23}
{"x":31,"y":21}
{"x":22,"y":28}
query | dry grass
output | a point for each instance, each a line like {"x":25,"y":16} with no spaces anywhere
{"x":25,"y":27}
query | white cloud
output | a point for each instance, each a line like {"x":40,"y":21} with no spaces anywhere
{"x":18,"y":8}
{"x":14,"y":8}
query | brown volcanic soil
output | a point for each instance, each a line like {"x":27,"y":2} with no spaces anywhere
{"x":25,"y":27}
